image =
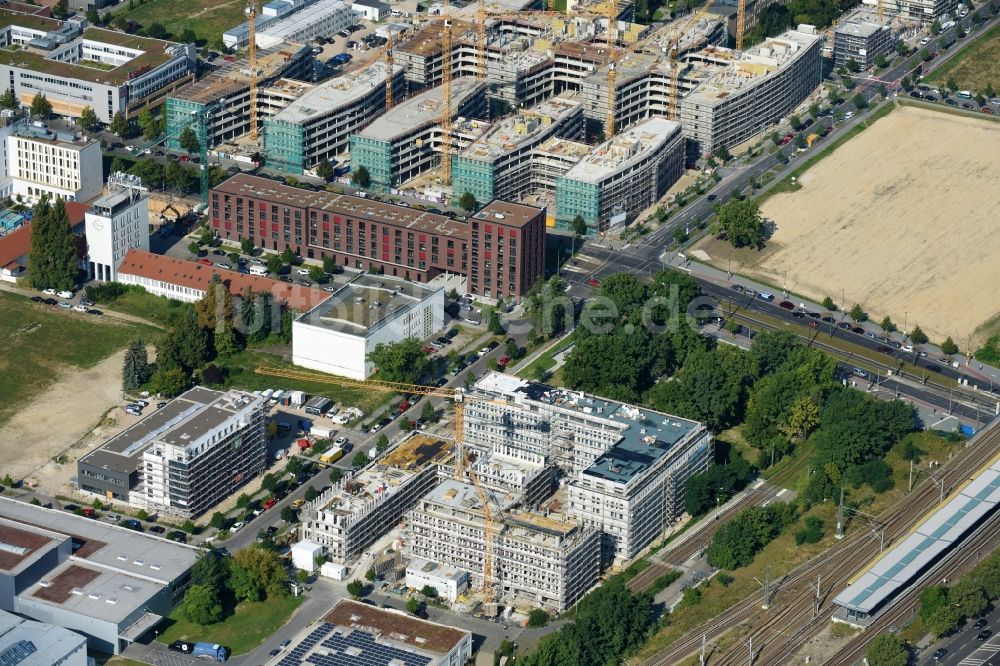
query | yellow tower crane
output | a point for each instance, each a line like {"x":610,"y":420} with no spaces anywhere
{"x":446,"y":104}
{"x":741,"y":17}
{"x":481,"y":40}
{"x":388,"y":74}
{"x":252,"y":16}
{"x":609,"y":121}
{"x":462,"y":467}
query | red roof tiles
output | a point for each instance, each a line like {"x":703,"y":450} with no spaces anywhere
{"x":196,"y":276}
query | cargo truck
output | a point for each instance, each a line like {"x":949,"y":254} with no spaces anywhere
{"x":210,"y":652}
{"x":332,"y":456}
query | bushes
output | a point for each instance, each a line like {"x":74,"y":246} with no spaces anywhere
{"x":715,"y":485}
{"x":811,"y":533}
{"x":736,"y":543}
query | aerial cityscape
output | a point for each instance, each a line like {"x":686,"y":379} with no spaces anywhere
{"x":499,"y":332}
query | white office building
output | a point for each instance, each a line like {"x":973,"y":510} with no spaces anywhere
{"x":322,"y":19}
{"x":42,"y":162}
{"x":337,"y":335}
{"x":448,"y":582}
{"x":116,"y":223}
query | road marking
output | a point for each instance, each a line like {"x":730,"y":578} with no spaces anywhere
{"x":782,"y":492}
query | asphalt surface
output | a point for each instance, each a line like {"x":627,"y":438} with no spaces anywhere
{"x":963,"y":648}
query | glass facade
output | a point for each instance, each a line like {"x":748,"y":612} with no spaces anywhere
{"x":179,"y":113}
{"x":283,"y":146}
{"x":475,"y":176}
{"x":573,"y":198}
{"x":376,"y":156}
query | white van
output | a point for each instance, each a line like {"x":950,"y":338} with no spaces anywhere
{"x":258,"y":270}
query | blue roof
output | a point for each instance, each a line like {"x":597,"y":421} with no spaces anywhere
{"x":903,"y":563}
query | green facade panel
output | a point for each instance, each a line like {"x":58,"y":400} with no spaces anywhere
{"x":283,"y":146}
{"x":475,"y":176}
{"x":376,"y":157}
{"x":573,"y":198}
{"x":179,"y":113}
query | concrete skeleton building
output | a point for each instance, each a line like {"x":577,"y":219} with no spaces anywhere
{"x":338,"y":335}
{"x":538,"y":560}
{"x":76,"y":66}
{"x":622,"y":177}
{"x":224,"y":95}
{"x":319,"y":124}
{"x":625,"y":466}
{"x":504,"y":162}
{"x":108,"y":583}
{"x":356,"y":512}
{"x":920,"y":10}
{"x":405,"y":141}
{"x":499,"y":250}
{"x":39,"y":162}
{"x":185,"y":458}
{"x":861,"y":37}
{"x":116,"y":223}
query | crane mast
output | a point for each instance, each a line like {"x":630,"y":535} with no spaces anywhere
{"x":252,"y":16}
{"x":446,"y":104}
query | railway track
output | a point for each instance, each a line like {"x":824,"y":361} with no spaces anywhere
{"x":790,"y":620}
{"x":666,"y":560}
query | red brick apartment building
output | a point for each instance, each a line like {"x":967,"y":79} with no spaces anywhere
{"x":500,"y":249}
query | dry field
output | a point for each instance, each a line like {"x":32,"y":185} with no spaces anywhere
{"x":902,"y":219}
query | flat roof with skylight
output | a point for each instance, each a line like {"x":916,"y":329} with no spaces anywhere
{"x":365,"y":303}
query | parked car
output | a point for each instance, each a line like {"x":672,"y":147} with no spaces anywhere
{"x":297,"y":504}
{"x":237,"y":526}
{"x":65,"y":306}
{"x":72,"y":508}
{"x":787,"y":305}
{"x":112,"y":517}
{"x":49,"y":292}
{"x":157,"y":529}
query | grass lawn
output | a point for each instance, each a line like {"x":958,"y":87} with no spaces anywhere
{"x":40,"y":340}
{"x":240,"y":374}
{"x":140,"y":303}
{"x":208,"y":18}
{"x":122,"y":661}
{"x":975,"y":65}
{"x":241,"y":632}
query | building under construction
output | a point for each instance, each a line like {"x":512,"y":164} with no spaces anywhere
{"x":356,"y":512}
{"x":501,"y":164}
{"x":319,"y":124}
{"x":622,"y":177}
{"x":624,"y":466}
{"x":405,"y":141}
{"x":546,"y":558}
{"x":861,"y":36}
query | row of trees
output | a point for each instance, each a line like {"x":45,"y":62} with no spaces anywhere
{"x":717,"y":484}
{"x":52,"y":261}
{"x":736,"y":543}
{"x":945,"y":609}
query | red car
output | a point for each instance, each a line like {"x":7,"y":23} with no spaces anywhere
{"x":205,"y":262}
{"x":813,"y":324}
{"x":986,"y":109}
{"x":786,"y":305}
{"x":429,"y":350}
{"x":593,"y":283}
{"x":785,"y":139}
{"x":184,"y":158}
{"x":269,"y":503}
{"x":504,"y":360}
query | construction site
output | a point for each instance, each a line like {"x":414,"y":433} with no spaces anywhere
{"x":470,"y":99}
{"x":539,"y":491}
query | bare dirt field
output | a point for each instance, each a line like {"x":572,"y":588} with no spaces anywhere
{"x":901,"y":219}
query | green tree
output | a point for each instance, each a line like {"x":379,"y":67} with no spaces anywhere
{"x":880,"y":60}
{"x":194,"y":248}
{"x":201,"y":605}
{"x":936,"y":27}
{"x":413,"y":605}
{"x":741,"y":223}
{"x":382,"y":443}
{"x":170,"y":382}
{"x":256,"y":574}
{"x":537,"y":618}
{"x":318,"y":275}
{"x":493,"y":324}
{"x":361,"y":178}
{"x":120,"y":22}
{"x":188,"y":526}
{"x":246,"y":246}
{"x":311,"y":494}
{"x":274,"y":263}
{"x":187,"y":36}
{"x":429,"y":591}
{"x":359,"y":460}
{"x":803,"y":418}
{"x":859,"y":101}
{"x":795,"y":122}
{"x":917,"y":336}
{"x":120,"y":126}
{"x":135,"y":369}
{"x":288,"y":514}
{"x":117,"y":165}
{"x":218,"y":520}
{"x":144,"y":118}
{"x":722,"y":154}
{"x":149,"y":171}
{"x":402,"y":361}
{"x":40,"y":106}
{"x":989,"y":92}
{"x":88,"y":119}
{"x":211,"y":568}
{"x":852,"y":66}
{"x":948,"y":347}
{"x":93,"y":16}
{"x":189,"y":140}
{"x":428,"y":413}
{"x":8,"y":100}
{"x":888,"y":649}
{"x":857,"y":313}
{"x":356,"y":588}
{"x":370,"y":574}
{"x":829,"y":304}
{"x":887,"y":325}
{"x":288,"y":255}
{"x":156,"y":31}
{"x":468,"y":201}
{"x":60,"y":10}
{"x":52,"y":261}
{"x":324,"y":169}
{"x":152,"y":130}
{"x":579,"y":227}
{"x":335,"y":475}
{"x":225,"y":339}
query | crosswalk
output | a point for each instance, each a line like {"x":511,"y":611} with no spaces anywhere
{"x":983,"y":654}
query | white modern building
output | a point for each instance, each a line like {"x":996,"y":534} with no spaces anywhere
{"x":185,"y":458}
{"x":76,"y":67}
{"x":337,"y":335}
{"x":322,"y":19}
{"x":371,"y":10}
{"x":116,"y":223}
{"x":42,"y":162}
{"x":448,"y":582}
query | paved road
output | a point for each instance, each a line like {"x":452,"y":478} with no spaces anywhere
{"x":963,"y":649}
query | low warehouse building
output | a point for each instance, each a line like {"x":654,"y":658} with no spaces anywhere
{"x":448,"y":582}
